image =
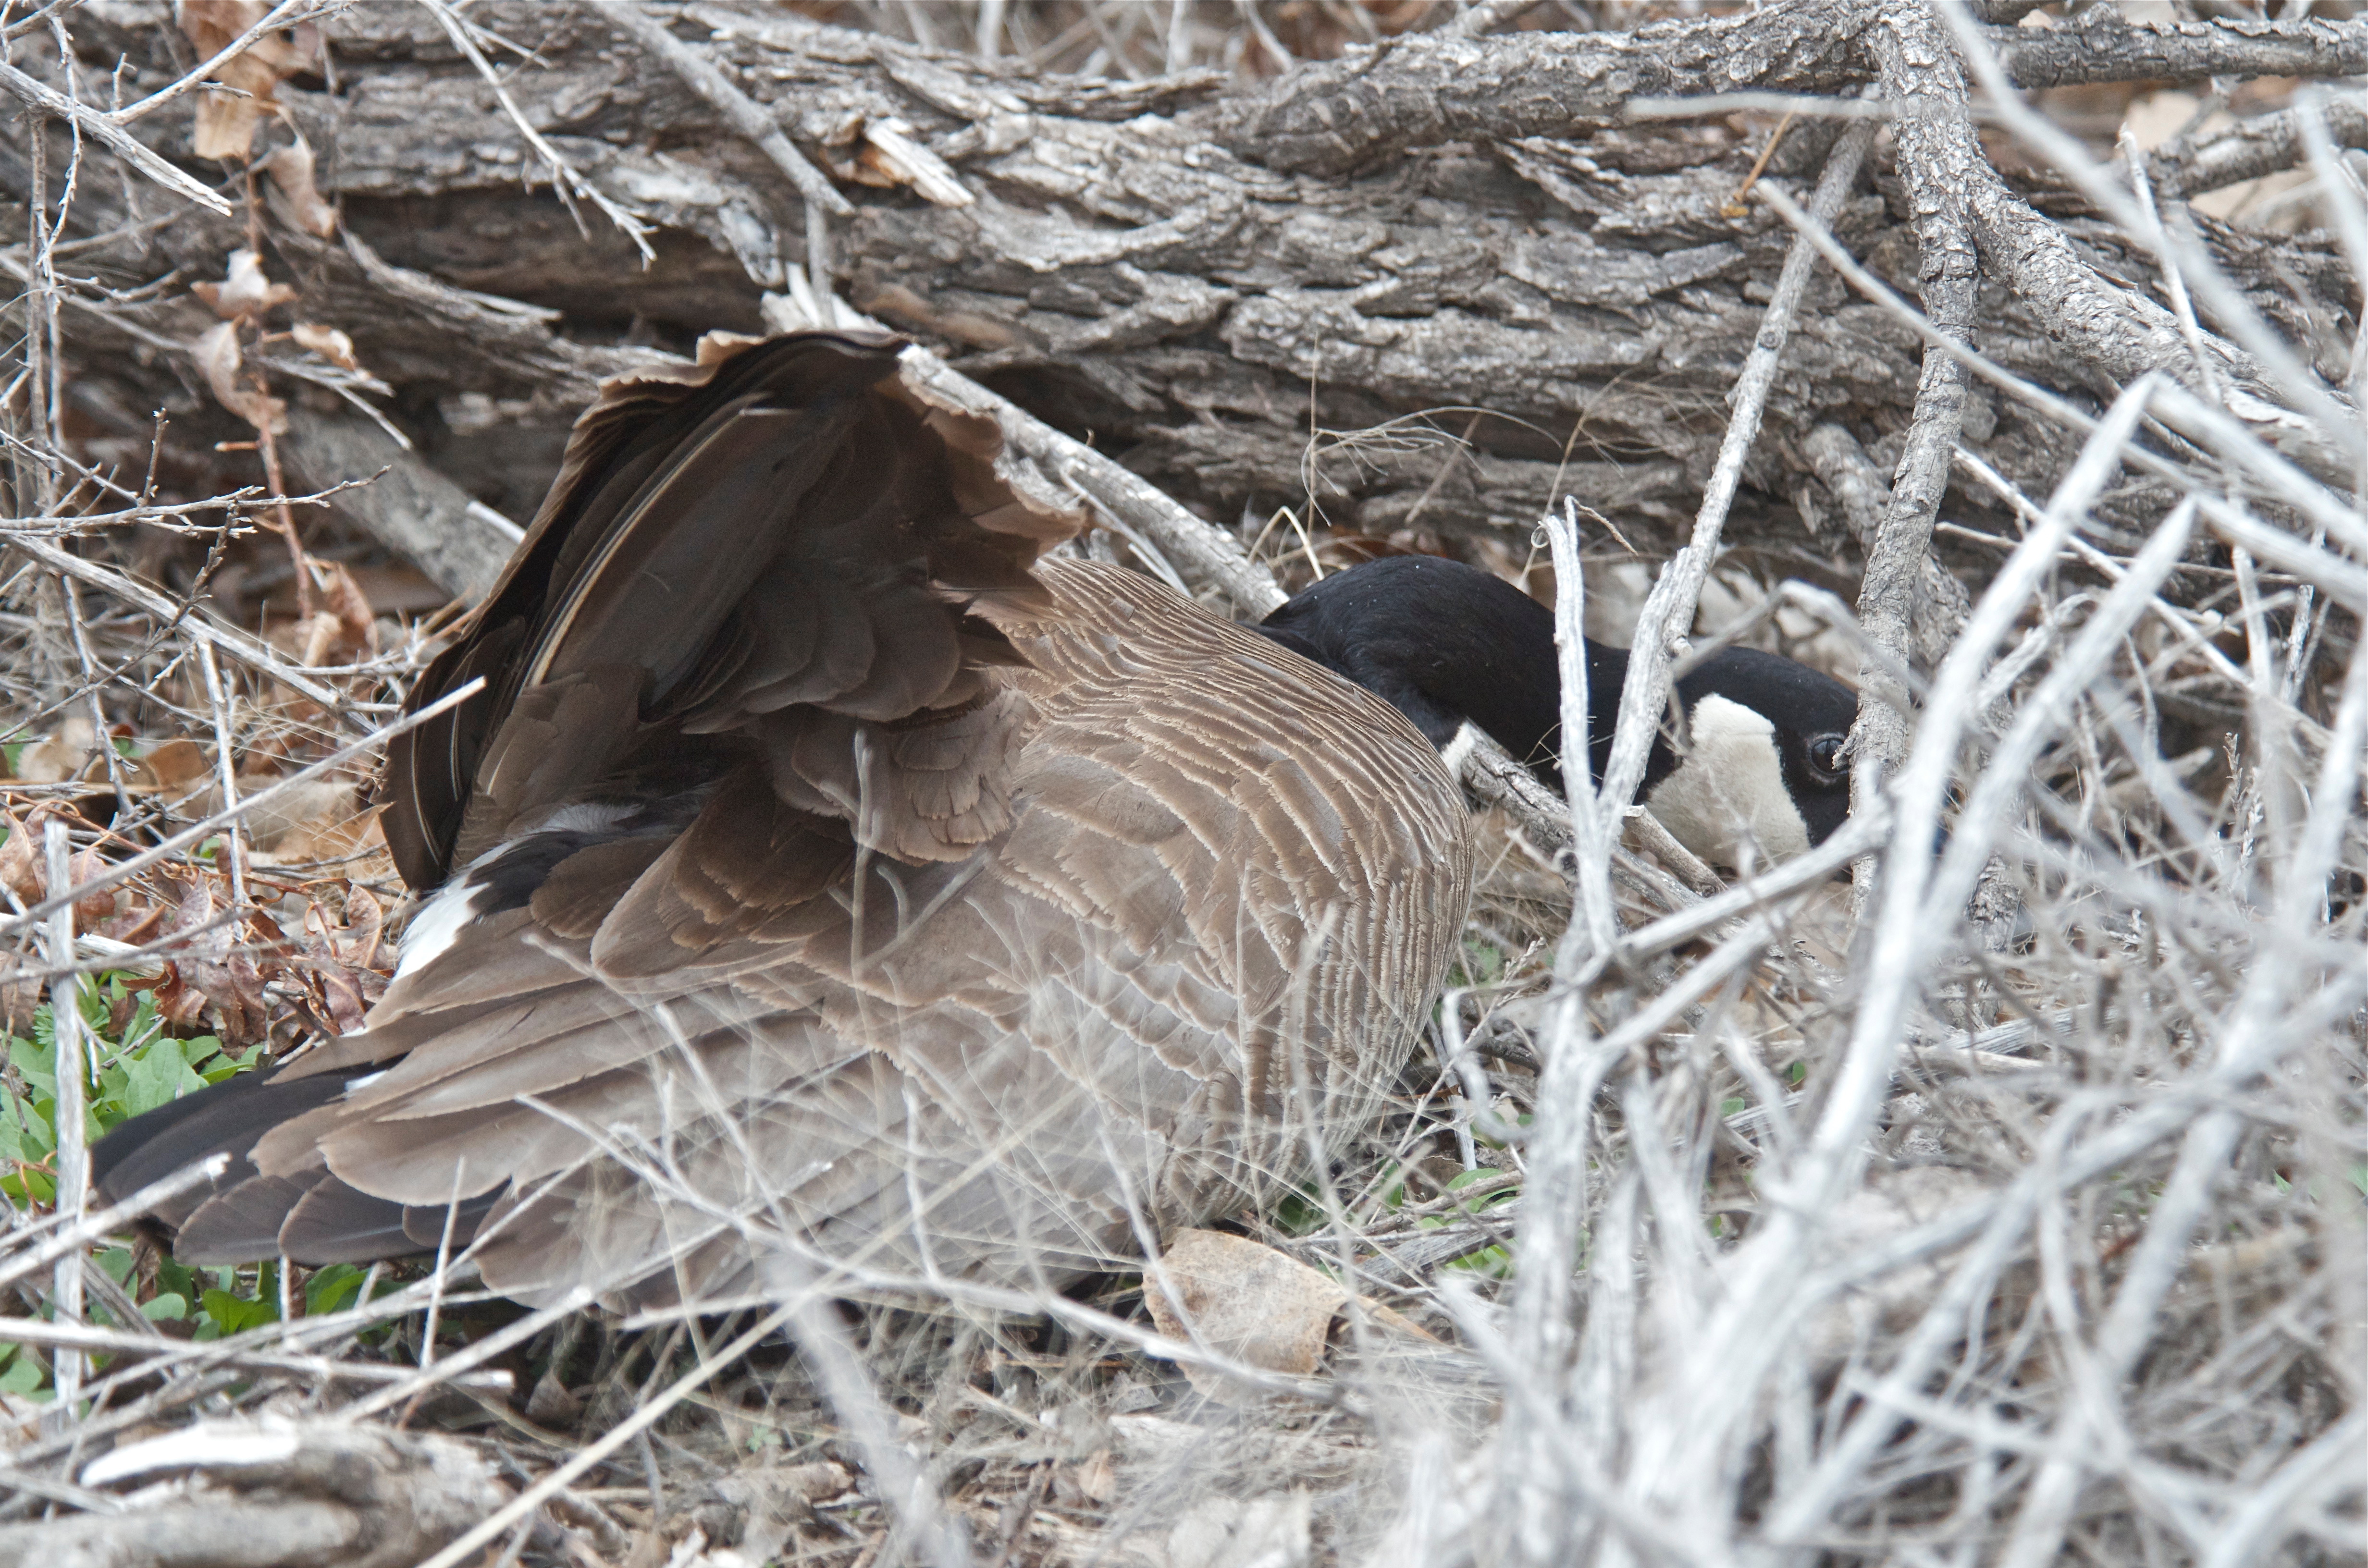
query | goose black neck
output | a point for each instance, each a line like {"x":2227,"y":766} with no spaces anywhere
{"x":1446,"y":643}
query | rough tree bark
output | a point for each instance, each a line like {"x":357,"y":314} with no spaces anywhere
{"x":1418,"y":293}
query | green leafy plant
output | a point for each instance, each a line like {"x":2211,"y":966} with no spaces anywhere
{"x":140,"y":1068}
{"x":1495,"y":1261}
{"x":1299,"y":1212}
{"x":130,"y":1068}
{"x":1479,"y":963}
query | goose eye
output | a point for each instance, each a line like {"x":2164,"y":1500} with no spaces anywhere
{"x":1826,"y":756}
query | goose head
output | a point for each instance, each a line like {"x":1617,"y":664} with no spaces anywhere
{"x":1757,"y":774}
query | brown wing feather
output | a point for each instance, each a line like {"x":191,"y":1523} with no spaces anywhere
{"x":687,"y":503}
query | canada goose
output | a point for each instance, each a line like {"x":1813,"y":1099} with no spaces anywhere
{"x":825,"y":875}
{"x":1762,"y":770}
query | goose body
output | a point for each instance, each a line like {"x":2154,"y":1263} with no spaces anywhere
{"x":824,"y":877}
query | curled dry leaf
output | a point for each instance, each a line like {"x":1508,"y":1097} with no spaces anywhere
{"x":226,"y":121}
{"x":345,"y":963}
{"x":320,"y":825}
{"x":177,"y":767}
{"x":216,"y":980}
{"x":294,"y":198}
{"x":251,"y":981}
{"x":244,"y":291}
{"x":135,"y":925}
{"x":1250,"y":1304}
{"x":1244,"y":1301}
{"x":342,"y":600}
{"x":219,"y":360}
{"x":93,"y":907}
{"x":21,"y":868}
{"x":344,"y":626}
{"x":66,"y":752}
{"x":304,"y":807}
{"x":327,"y":342}
{"x":24,"y":867}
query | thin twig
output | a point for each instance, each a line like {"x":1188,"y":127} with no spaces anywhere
{"x":1668,"y":610}
{"x":43,"y":99}
{"x":233,"y":643}
{"x":196,"y":832}
{"x":564,"y":180}
{"x":73,"y":1338}
{"x":701,"y":76}
{"x":73,"y":1083}
{"x":286,"y":14}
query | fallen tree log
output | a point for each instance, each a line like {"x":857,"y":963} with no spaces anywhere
{"x":1522,"y":290}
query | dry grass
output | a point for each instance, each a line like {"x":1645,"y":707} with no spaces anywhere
{"x":2013,"y":1215}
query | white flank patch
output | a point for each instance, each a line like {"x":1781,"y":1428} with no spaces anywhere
{"x":451,"y":908}
{"x":1729,"y":792}
{"x":438,"y":923}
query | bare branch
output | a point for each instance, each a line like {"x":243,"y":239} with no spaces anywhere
{"x":2102,"y":44}
{"x":1939,"y":157}
{"x":742,"y":115}
{"x":1444,"y":86}
{"x":286,"y":14}
{"x":1418,"y":92}
{"x":2262,"y":145}
{"x":43,"y":100}
{"x":423,"y":516}
{"x":233,"y":643}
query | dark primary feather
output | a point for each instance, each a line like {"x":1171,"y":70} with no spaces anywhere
{"x":845,"y":884}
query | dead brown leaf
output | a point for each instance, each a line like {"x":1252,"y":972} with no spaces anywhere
{"x":318,"y":821}
{"x":226,"y":122}
{"x":137,"y":926}
{"x":1254,"y":1305}
{"x":216,"y":983}
{"x":178,"y":766}
{"x":20,"y":865}
{"x":66,"y":752}
{"x":95,"y":907}
{"x":245,"y":292}
{"x":327,"y":342}
{"x":345,"y":960}
{"x":218,"y":358}
{"x":315,"y":800}
{"x":293,"y":196}
{"x":1246,"y":1303}
{"x":342,"y":598}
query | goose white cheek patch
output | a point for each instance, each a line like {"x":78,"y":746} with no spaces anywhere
{"x":1459,"y":751}
{"x":1729,"y":791}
